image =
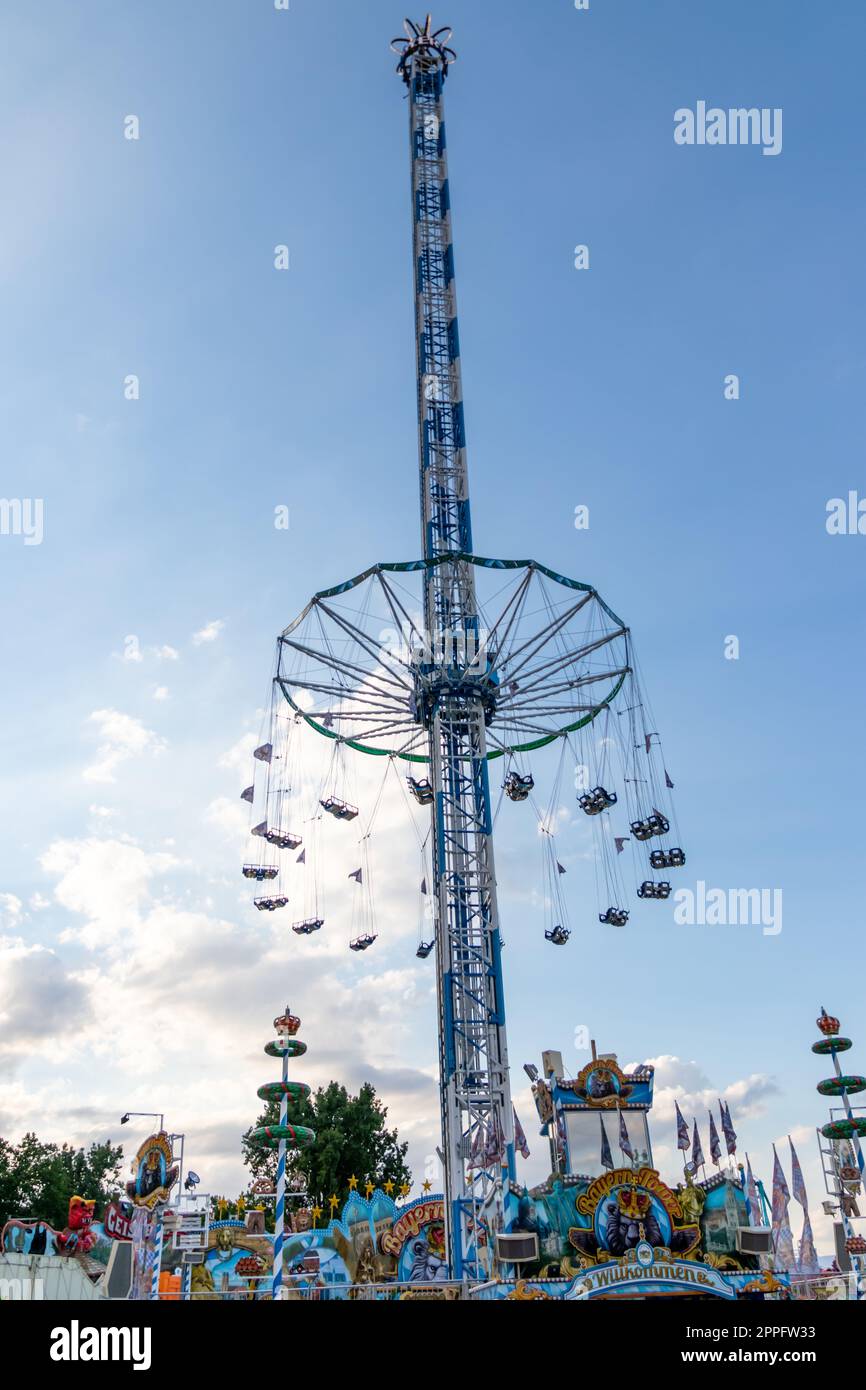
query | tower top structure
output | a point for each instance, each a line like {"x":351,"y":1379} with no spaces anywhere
{"x":423,"y":47}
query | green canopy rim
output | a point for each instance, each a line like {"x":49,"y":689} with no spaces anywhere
{"x":412,"y":737}
{"x":452,"y":557}
{"x":423,"y":757}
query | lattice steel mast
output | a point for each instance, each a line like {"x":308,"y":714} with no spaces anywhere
{"x":512,"y":658}
{"x":454,"y":701}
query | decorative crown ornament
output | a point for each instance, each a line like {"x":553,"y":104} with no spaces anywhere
{"x":633,"y":1203}
{"x":827,"y":1023}
{"x":287,"y":1024}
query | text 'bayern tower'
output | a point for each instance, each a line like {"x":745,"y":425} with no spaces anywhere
{"x":454,"y":703}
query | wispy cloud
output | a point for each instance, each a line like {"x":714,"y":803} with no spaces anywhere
{"x":209,"y":633}
{"x":121,"y":737}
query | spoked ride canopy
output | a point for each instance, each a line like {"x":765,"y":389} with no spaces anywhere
{"x":544,"y":656}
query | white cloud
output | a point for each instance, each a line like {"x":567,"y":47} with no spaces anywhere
{"x":122,"y":737}
{"x":37,"y":996}
{"x":10,"y":910}
{"x":230,"y":817}
{"x":161,"y":692}
{"x":106,"y":882}
{"x":166,"y":653}
{"x":209,"y":633}
{"x":239,"y":758}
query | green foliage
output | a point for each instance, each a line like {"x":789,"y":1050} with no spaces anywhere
{"x":38,"y":1179}
{"x":351,"y":1139}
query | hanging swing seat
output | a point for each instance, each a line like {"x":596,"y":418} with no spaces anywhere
{"x":270,"y":904}
{"x":667,"y":859}
{"x":308,"y":926}
{"x":613,"y":917}
{"x":362,"y":942}
{"x":559,"y":936}
{"x":656,"y":824}
{"x":596,"y":801}
{"x":424,"y":949}
{"x":649,"y":889}
{"x":421,"y":790}
{"x":340,"y":810}
{"x":260,"y":872}
{"x":282,"y":840}
{"x":517,"y":786}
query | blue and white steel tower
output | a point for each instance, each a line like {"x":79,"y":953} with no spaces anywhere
{"x":475,"y":1092}
{"x":495,"y":658}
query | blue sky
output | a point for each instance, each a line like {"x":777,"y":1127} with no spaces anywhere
{"x":259,"y":388}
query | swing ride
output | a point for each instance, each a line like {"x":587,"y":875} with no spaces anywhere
{"x":444,"y":665}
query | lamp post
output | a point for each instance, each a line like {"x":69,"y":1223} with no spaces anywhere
{"x":159,"y":1226}
{"x":146,"y":1114}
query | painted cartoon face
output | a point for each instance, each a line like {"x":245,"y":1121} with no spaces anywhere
{"x":81,"y":1213}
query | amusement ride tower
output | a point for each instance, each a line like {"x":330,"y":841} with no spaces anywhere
{"x":473,"y":1054}
{"x":497,"y":658}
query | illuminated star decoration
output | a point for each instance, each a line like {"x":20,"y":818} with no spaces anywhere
{"x":353,"y":1183}
{"x":317,"y":1213}
{"x":368,"y":1188}
{"x":333,"y":1202}
{"x":405,"y":1189}
{"x":388,"y":1186}
{"x":427,"y":1186}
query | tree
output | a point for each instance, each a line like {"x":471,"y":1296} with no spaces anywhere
{"x":37,"y":1179}
{"x":351,"y":1140}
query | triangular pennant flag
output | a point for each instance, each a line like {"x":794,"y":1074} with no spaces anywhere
{"x":624,"y":1141}
{"x":783,"y":1238}
{"x":357,"y":876}
{"x":698,"y":1159}
{"x":619,"y":841}
{"x":520,"y":1143}
{"x":682,"y":1128}
{"x":264,"y":753}
{"x":606,"y":1155}
{"x":752,"y":1200}
{"x":302,"y":857}
{"x":424,"y":885}
{"x":648,"y":738}
{"x":477,"y":1145}
{"x":559,"y":867}
{"x":797,"y":1180}
{"x":728,"y":1127}
{"x":781,"y":1194}
{"x":715,"y":1145}
{"x":495,"y":1146}
{"x":248,"y":794}
{"x":808,"y":1262}
{"x":668,"y":783}
{"x":261,"y":829}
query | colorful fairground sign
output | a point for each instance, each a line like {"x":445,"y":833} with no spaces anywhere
{"x":417,"y":1239}
{"x":641,"y":1239}
{"x":648,"y":1270}
{"x":627,"y":1209}
{"x":116,"y":1222}
{"x":154,"y":1170}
